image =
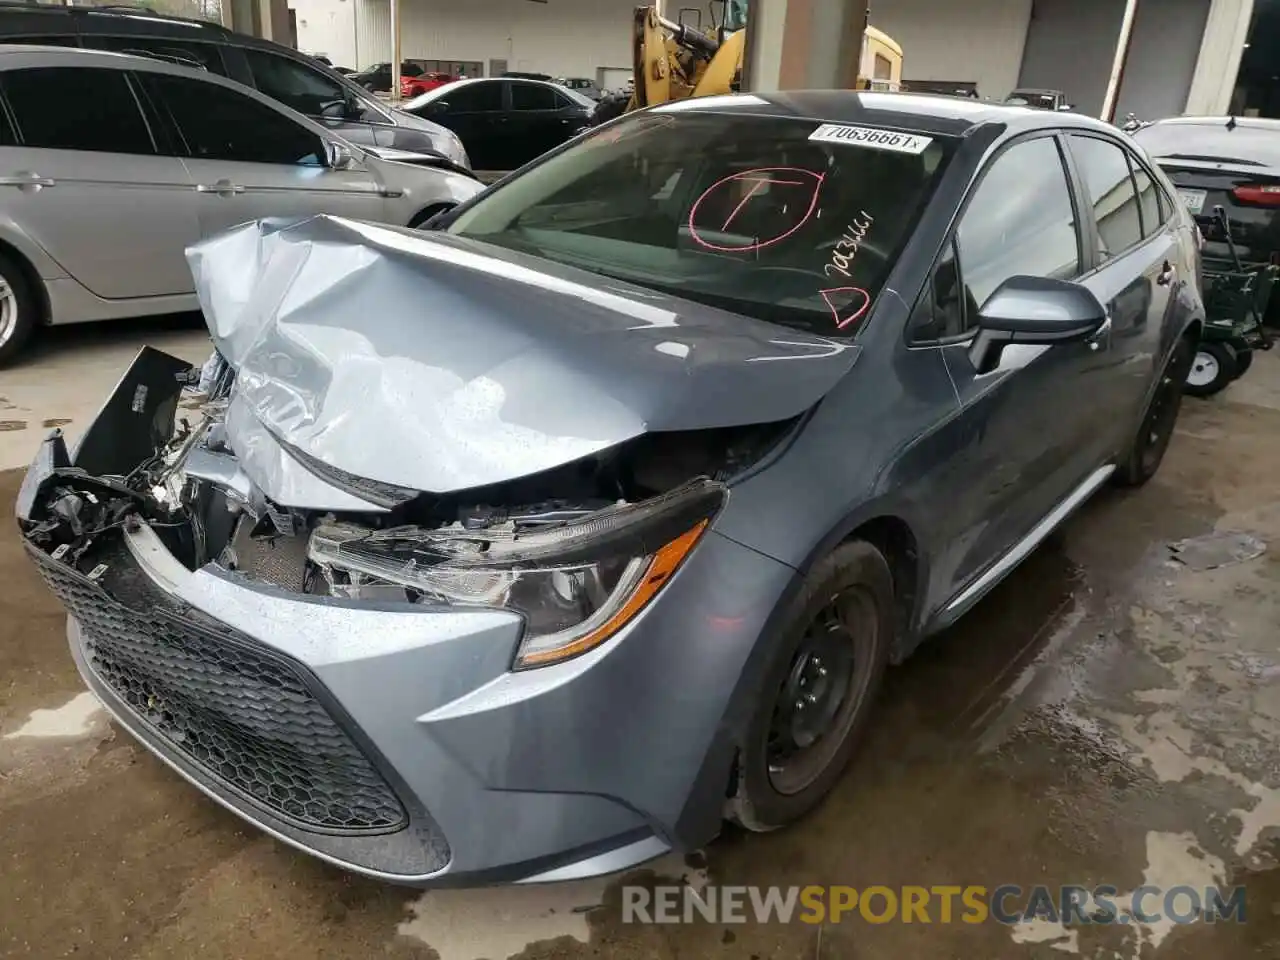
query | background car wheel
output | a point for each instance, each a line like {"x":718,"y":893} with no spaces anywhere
{"x":1244,"y":356}
{"x":819,"y":689}
{"x":1213,"y":367}
{"x":1149,"y":446}
{"x":19,"y":312}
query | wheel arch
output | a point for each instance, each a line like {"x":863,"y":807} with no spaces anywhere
{"x":32,"y":276}
{"x":429,"y":211}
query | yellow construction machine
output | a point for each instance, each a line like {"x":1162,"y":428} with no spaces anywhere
{"x":675,"y":60}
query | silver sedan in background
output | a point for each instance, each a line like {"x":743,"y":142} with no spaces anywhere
{"x":113,"y":165}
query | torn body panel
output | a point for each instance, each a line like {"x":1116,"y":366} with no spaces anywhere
{"x":347,"y":675}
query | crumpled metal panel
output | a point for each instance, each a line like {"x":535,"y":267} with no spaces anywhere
{"x":441,"y":364}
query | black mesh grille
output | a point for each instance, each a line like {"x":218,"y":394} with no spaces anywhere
{"x":241,"y":714}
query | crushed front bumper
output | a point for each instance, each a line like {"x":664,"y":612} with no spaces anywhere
{"x":395,"y":740}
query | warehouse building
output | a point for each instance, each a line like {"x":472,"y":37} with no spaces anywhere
{"x":1185,"y":56}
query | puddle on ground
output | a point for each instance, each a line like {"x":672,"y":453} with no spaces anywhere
{"x":76,"y":718}
{"x":495,"y":923}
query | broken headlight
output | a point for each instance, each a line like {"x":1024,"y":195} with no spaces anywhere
{"x":575,"y":583}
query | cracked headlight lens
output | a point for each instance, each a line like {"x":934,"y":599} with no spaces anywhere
{"x":576,"y":584}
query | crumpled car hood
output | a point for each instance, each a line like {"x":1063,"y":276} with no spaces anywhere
{"x":441,"y":364}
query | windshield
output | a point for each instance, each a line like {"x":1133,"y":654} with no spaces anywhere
{"x":1194,"y":141}
{"x":776,"y":218}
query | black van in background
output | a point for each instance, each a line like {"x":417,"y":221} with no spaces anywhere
{"x":294,"y":79}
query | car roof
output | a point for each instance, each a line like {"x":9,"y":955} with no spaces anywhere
{"x":112,"y":10}
{"x":922,"y":112}
{"x":1249,"y":123}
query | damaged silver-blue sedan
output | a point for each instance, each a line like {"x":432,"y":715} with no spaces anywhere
{"x":540,"y":543}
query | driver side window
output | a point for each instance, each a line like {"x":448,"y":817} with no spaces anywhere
{"x":1019,"y":221}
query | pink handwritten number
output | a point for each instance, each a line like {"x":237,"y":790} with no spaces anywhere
{"x":847,"y":304}
{"x":758,"y":178}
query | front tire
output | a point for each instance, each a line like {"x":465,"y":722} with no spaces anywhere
{"x":819,"y":689}
{"x":1213,"y":367}
{"x":19,"y":310}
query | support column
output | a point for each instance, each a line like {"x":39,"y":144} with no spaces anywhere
{"x":1225,"y":33}
{"x":804,"y":44}
{"x":268,"y":19}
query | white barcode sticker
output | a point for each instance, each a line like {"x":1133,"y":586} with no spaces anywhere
{"x":871,"y":137}
{"x":97,"y":571}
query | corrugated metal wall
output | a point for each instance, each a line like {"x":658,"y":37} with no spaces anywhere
{"x":1072,"y":43}
{"x":977,"y":41}
{"x":563,"y":37}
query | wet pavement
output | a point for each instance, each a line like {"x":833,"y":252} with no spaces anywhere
{"x":1109,"y":715}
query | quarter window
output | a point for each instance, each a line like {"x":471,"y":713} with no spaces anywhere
{"x":1019,"y":222}
{"x":1148,"y":200}
{"x":215,"y":123}
{"x":77,"y":108}
{"x":1104,"y":166}
{"x":294,"y":84}
{"x":941,"y":313}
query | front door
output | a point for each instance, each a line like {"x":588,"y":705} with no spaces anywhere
{"x":249,"y":160}
{"x":540,"y":120}
{"x":82,"y":176}
{"x":1029,"y":412}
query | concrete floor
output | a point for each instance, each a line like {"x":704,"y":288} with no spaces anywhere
{"x":1107,"y":715}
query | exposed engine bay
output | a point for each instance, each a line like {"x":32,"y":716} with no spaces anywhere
{"x":555,"y":545}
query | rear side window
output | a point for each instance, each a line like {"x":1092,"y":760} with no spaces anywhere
{"x":474,"y":98}
{"x":294,"y":84}
{"x":530,"y":96}
{"x":215,"y":123}
{"x":198,"y":56}
{"x":1104,"y":167}
{"x":1019,"y":222}
{"x":77,"y":108}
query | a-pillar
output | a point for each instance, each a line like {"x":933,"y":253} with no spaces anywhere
{"x":268,"y":19}
{"x":804,"y":44}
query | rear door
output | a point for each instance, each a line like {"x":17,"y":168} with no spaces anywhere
{"x":248,"y":160}
{"x":1138,"y":269}
{"x":539,"y":120}
{"x":86,"y":180}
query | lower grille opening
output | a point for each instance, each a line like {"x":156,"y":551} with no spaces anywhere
{"x":243,"y":715}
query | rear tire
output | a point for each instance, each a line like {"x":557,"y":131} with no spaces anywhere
{"x":19,"y":310}
{"x":1213,"y":367}
{"x":1147,"y":451}
{"x":818,"y":691}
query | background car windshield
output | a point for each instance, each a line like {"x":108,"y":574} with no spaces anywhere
{"x":745,"y":213}
{"x":1196,"y":141}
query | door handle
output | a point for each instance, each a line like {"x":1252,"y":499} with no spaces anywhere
{"x":1166,"y":274}
{"x":224,"y":188}
{"x":25,"y":179}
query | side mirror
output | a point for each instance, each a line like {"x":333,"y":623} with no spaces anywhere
{"x":340,"y":156}
{"x":1035,"y":310}
{"x":438,"y":106}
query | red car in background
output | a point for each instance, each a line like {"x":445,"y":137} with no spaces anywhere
{"x":413,"y":86}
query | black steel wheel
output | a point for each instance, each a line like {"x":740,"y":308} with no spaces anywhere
{"x":819,"y":690}
{"x":1212,"y":368}
{"x":1158,"y":422}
